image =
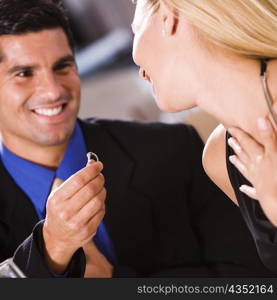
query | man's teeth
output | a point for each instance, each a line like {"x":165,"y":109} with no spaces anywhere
{"x":48,"y":111}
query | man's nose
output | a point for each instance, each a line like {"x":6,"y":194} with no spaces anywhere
{"x":49,"y":87}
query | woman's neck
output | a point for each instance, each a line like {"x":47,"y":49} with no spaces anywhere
{"x":271,"y":82}
{"x":237,"y":98}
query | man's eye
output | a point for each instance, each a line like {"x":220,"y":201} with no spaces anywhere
{"x":23,"y":74}
{"x":63,"y":67}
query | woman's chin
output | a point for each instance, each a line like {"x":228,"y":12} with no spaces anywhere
{"x":167,"y":105}
{"x":164,"y":106}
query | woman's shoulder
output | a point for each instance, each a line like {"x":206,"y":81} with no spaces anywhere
{"x":214,"y":161}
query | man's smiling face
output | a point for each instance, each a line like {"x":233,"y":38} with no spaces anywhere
{"x":39,"y":88}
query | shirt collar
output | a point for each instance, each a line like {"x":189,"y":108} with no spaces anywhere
{"x":35,"y":180}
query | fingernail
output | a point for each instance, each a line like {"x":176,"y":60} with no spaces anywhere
{"x":232,"y":159}
{"x":247,"y":190}
{"x":234,"y":145}
{"x":262,"y":124}
{"x":237,"y":163}
{"x":242,"y":188}
{"x":91,"y":161}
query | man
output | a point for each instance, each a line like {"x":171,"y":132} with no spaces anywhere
{"x":163,"y":217}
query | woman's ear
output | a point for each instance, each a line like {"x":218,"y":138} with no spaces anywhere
{"x":170,"y":19}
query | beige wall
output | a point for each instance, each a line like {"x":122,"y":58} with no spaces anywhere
{"x":123,"y":95}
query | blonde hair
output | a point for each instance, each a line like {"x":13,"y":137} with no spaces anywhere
{"x":248,"y":27}
{"x":151,"y":5}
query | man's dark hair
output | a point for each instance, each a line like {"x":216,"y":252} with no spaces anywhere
{"x":25,"y":16}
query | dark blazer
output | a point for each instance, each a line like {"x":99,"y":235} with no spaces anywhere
{"x":163,"y":214}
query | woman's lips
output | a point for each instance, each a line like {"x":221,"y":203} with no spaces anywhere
{"x":146,"y":77}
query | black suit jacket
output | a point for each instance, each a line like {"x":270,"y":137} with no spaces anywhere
{"x":163,"y":214}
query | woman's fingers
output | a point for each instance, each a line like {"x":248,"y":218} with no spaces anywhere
{"x":249,"y":191}
{"x":246,"y":142}
{"x":267,"y":134}
{"x":241,"y":154}
{"x":239,"y":165}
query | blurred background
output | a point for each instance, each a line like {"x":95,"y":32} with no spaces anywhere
{"x":111,"y":87}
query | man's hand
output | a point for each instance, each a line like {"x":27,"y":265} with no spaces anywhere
{"x":73,"y":213}
{"x":97,"y":265}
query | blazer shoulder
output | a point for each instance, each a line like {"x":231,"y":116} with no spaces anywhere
{"x":214,"y":161}
{"x":151,"y":132}
{"x":176,"y":148}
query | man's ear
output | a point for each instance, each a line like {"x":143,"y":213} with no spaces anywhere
{"x":170,"y":19}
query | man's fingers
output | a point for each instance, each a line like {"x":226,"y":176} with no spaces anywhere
{"x":91,"y":227}
{"x":93,"y":206}
{"x":267,"y":134}
{"x":83,"y":196}
{"x":73,"y":205}
{"x":77,"y":181}
{"x":93,"y":223}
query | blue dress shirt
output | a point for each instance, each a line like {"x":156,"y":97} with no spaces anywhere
{"x":36,"y":181}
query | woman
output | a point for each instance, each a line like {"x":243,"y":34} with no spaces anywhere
{"x":221,"y":56}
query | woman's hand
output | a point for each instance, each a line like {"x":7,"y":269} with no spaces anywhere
{"x":257,"y":162}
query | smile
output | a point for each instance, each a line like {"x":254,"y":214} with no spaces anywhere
{"x":49,"y":112}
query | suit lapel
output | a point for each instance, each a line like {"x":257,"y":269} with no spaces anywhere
{"x":17,"y":213}
{"x":118,"y":165}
